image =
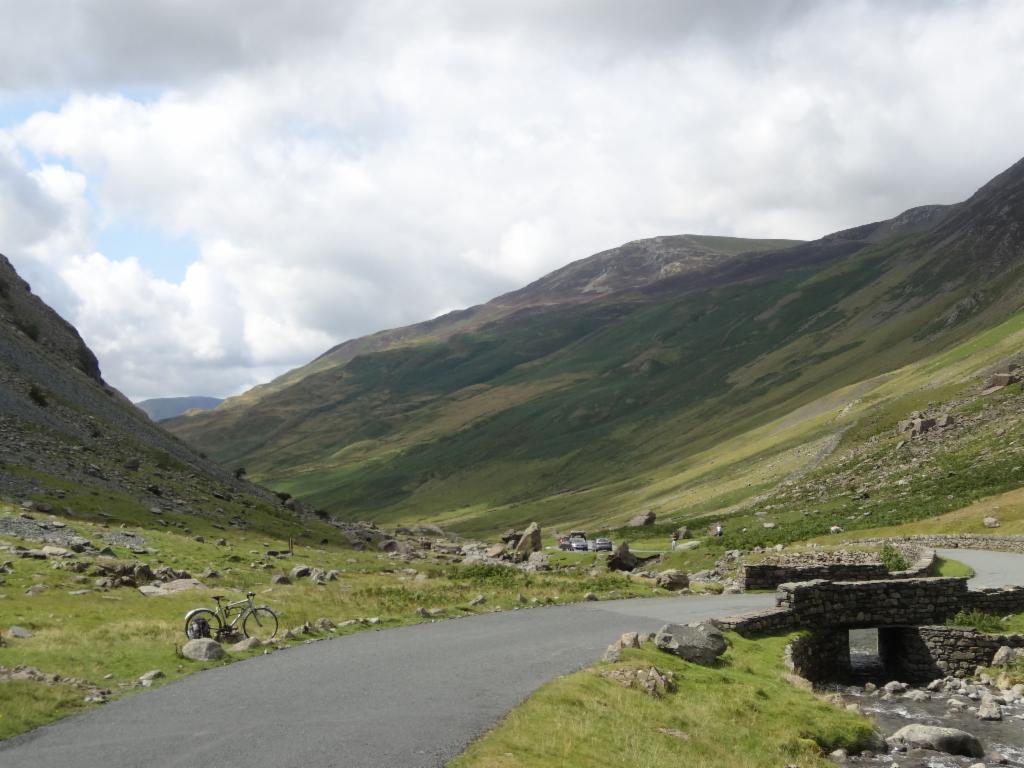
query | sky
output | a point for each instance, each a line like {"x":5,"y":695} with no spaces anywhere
{"x":216,"y":192}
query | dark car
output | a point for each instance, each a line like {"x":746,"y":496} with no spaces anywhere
{"x":565,"y":543}
{"x":578,"y":544}
{"x":603,"y":545}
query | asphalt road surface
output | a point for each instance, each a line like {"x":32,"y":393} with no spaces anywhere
{"x":398,"y":698}
{"x":407,"y":697}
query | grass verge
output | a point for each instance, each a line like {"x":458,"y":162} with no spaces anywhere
{"x":740,"y":713}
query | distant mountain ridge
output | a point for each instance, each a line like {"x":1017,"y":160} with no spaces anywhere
{"x":566,"y":399}
{"x":160,"y":408}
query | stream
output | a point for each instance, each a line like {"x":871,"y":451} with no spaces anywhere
{"x":891,"y":712}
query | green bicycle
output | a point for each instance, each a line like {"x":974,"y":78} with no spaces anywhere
{"x":257,"y":620}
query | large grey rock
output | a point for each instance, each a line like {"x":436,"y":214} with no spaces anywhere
{"x":530,"y":540}
{"x":300,"y":571}
{"x":203,"y":649}
{"x":949,"y":740}
{"x":19,"y":632}
{"x":699,"y":643}
{"x":622,"y":559}
{"x":673,"y":579}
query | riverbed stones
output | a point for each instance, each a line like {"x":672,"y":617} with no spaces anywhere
{"x":989,"y":708}
{"x":700,"y":643}
{"x":952,"y":741}
{"x":202,"y":649}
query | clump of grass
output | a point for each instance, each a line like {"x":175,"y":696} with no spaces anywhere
{"x":983,"y":622}
{"x":893,"y":559}
{"x":944,"y":567}
{"x":488,"y":573}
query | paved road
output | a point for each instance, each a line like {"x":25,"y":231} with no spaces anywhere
{"x":991,"y":569}
{"x":399,"y":698}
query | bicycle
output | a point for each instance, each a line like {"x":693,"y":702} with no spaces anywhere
{"x":257,"y":620}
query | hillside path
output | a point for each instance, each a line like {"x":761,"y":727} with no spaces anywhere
{"x":407,"y":697}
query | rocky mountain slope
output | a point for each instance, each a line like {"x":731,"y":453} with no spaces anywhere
{"x":160,"y":408}
{"x":626,"y":380}
{"x":70,"y":442}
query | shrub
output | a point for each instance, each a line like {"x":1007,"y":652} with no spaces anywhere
{"x":893,"y":559}
{"x":984,"y":622}
{"x":488,"y":573}
{"x":38,"y":396}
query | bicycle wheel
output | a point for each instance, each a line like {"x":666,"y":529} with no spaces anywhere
{"x":202,"y":623}
{"x":260,"y":623}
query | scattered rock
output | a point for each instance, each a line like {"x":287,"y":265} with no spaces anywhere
{"x":478,"y":600}
{"x":202,"y":649}
{"x":19,"y":632}
{"x":1004,"y":656}
{"x":699,"y":643}
{"x":280,"y":578}
{"x":651,"y":681}
{"x":147,"y":678}
{"x":245,"y":645}
{"x":990,"y":522}
{"x":300,"y":571}
{"x":590,"y":597}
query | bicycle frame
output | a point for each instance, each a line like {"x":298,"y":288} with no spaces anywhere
{"x":224,"y":609}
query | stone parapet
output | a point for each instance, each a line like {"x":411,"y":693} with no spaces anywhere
{"x":958,"y":541}
{"x":925,"y":653}
{"x":873,"y":603}
{"x":757,"y":623}
{"x":850,"y":566}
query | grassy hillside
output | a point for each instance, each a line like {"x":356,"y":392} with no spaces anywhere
{"x":694,"y":393}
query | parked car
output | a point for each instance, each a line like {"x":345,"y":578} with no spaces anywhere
{"x":578,"y":544}
{"x":565,"y":543}
{"x":603,"y":545}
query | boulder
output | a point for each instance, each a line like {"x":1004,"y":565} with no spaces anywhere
{"x":280,"y":578}
{"x":952,"y":741}
{"x":19,"y":632}
{"x":530,"y":540}
{"x":202,"y":649}
{"x":699,"y":643}
{"x":673,"y":579}
{"x":990,"y":522}
{"x":622,"y":559}
{"x":300,"y":571}
{"x":647,"y":518}
{"x":147,"y":678}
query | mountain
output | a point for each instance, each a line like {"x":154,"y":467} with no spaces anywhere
{"x":70,"y":441}
{"x":644,"y":377}
{"x":159,"y":408}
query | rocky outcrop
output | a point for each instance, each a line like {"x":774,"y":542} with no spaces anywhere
{"x":673,"y":579}
{"x":622,"y":559}
{"x":647,"y":518}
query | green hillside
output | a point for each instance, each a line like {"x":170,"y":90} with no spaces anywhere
{"x":689,"y":386}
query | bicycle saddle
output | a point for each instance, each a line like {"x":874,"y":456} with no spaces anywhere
{"x":218,"y":597}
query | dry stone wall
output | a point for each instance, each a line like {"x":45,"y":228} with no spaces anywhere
{"x":920,"y":654}
{"x":837,"y":566}
{"x":959,"y":541}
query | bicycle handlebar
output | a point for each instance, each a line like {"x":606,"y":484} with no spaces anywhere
{"x":250,"y":594}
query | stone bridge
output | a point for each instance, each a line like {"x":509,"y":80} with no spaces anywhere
{"x":910,"y":614}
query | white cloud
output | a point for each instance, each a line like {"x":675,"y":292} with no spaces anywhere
{"x":377,"y":166}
